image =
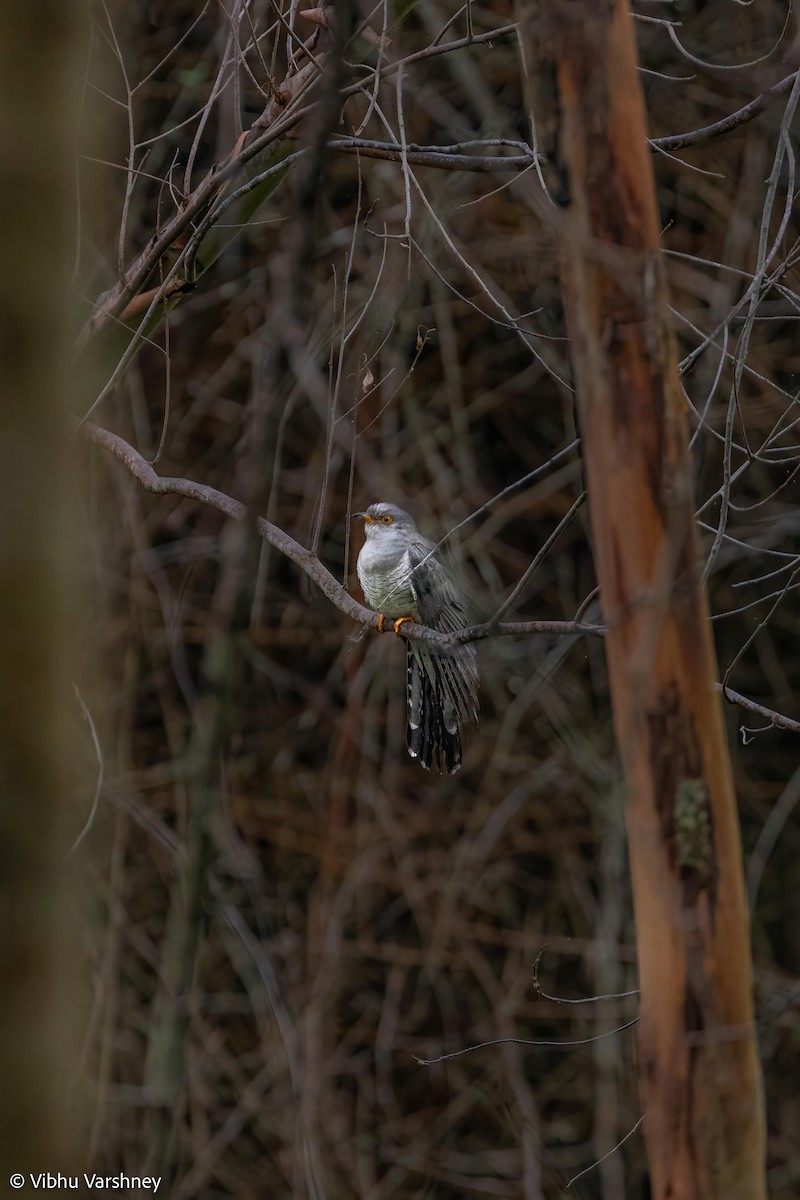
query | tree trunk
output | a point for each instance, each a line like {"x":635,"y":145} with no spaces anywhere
{"x":698,"y":1064}
{"x":40,"y":69}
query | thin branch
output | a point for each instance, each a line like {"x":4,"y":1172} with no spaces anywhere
{"x":679,"y":141}
{"x":539,"y":558}
{"x":159,"y":485}
{"x":613,"y":1150}
{"x":98,"y":787}
{"x":539,"y":990}
{"x":251,"y":145}
{"x":768,"y":838}
{"x":478,"y":633}
{"x":555,"y":1043}
{"x":196,"y":205}
{"x":432,"y":52}
{"x":775,"y":718}
{"x":404,"y":163}
{"x":446,"y":158}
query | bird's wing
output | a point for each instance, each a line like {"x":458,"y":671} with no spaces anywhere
{"x":439,"y":599}
{"x":441,"y":605}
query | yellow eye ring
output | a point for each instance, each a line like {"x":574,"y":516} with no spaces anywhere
{"x":387,"y":520}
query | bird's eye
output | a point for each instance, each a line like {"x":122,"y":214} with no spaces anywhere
{"x":387,"y":520}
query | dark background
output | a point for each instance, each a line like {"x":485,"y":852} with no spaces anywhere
{"x":287,"y":909}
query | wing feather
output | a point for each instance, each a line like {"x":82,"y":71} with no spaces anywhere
{"x":443,"y":685}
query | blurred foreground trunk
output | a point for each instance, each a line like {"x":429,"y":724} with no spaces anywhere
{"x":698,"y":1065}
{"x":39,"y":77}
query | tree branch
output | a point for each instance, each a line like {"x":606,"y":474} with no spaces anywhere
{"x":775,"y":718}
{"x":446,"y":158}
{"x":162,"y":485}
{"x":680,"y":141}
{"x":276,"y":122}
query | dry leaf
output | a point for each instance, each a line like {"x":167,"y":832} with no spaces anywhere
{"x":318,"y":15}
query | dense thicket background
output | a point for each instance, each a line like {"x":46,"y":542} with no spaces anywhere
{"x":287,"y":909}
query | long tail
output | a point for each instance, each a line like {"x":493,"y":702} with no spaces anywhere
{"x":442,"y":704}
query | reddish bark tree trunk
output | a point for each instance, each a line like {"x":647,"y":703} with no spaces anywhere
{"x":698,"y":1063}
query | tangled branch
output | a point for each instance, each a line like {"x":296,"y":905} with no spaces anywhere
{"x":161,"y":485}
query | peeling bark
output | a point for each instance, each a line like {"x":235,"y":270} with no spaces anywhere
{"x":699,"y":1071}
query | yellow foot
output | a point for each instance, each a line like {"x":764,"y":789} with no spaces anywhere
{"x":381,"y":619}
{"x":399,"y":622}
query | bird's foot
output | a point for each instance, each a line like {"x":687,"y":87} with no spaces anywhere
{"x":396,"y":624}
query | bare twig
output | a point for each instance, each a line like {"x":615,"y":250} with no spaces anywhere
{"x":767,"y":839}
{"x":539,"y":990}
{"x":695,"y":137}
{"x":159,"y":485}
{"x":98,"y":787}
{"x":152,"y":482}
{"x":613,"y":1150}
{"x":556,"y":1043}
{"x":446,"y":158}
{"x":774,"y":718}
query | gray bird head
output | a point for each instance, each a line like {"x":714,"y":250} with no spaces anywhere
{"x":386,"y":521}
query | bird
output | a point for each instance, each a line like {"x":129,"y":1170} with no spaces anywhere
{"x":403,"y":578}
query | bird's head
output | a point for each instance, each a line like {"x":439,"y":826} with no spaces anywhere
{"x":385,"y":521}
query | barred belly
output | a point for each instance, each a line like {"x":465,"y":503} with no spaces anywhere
{"x":386,"y":585}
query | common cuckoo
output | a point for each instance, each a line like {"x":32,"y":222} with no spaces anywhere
{"x":403,"y":578}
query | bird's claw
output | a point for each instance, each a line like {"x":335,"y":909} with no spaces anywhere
{"x":396,"y":624}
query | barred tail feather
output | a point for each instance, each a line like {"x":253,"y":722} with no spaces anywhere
{"x":441,"y":702}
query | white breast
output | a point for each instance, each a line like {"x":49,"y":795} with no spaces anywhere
{"x":384,"y":573}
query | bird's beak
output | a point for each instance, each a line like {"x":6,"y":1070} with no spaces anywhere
{"x":364,"y":517}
